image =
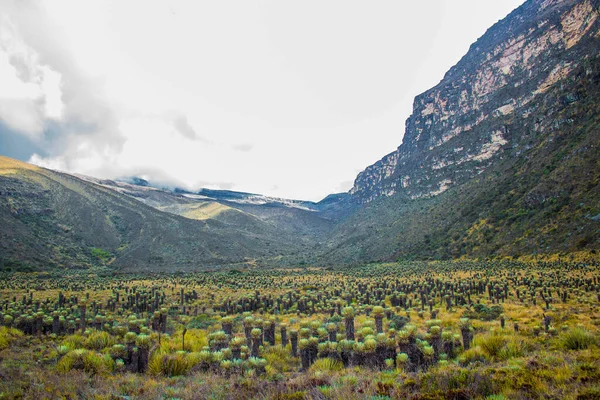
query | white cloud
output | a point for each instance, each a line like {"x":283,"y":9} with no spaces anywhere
{"x":30,"y":90}
{"x":245,"y":147}
{"x":55,"y":163}
{"x":22,"y":115}
{"x":281,"y":98}
{"x":50,"y":86}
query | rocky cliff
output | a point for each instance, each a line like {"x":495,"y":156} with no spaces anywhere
{"x":501,"y":158}
{"x":492,"y":102}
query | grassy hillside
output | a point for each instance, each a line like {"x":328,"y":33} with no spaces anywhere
{"x":307,"y":222}
{"x":543,"y":197}
{"x":55,"y":220}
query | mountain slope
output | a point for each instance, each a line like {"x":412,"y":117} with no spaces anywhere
{"x":306,"y":221}
{"x":52,"y":219}
{"x":501,"y":157}
{"x":463,"y":125}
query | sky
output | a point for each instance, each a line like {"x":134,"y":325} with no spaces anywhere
{"x":284,"y":98}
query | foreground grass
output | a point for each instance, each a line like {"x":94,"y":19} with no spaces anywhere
{"x":422,"y":331}
{"x":548,"y":375}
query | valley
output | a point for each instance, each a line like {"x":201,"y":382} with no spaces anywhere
{"x":465,"y":264}
{"x":500,"y":159}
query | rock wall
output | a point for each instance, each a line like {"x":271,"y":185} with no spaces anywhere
{"x":488,"y":105}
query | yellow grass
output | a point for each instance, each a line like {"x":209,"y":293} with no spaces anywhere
{"x":205,"y":211}
{"x":9,"y":166}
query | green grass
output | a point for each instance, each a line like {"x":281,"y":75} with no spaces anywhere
{"x":577,"y":339}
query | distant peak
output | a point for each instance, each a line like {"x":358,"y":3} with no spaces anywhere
{"x":134,"y":180}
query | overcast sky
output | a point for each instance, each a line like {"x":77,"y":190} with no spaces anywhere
{"x":285,"y":98}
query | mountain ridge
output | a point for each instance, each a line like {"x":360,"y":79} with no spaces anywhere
{"x":475,"y":95}
{"x":51,"y":219}
{"x":501,"y":158}
{"x":519,"y":130}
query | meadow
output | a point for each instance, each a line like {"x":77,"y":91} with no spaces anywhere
{"x":500,"y":329}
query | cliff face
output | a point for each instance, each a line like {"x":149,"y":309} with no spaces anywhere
{"x":478,"y":113}
{"x":501,"y":158}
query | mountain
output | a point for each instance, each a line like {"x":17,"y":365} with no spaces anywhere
{"x":477,"y":112}
{"x":252,"y":198}
{"x":304,"y":220}
{"x":501,"y":157}
{"x":51,"y":220}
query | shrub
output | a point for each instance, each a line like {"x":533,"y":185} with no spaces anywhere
{"x":174,"y":364}
{"x":492,"y":344}
{"x":474,"y":354}
{"x":7,"y":335}
{"x":202,"y":321}
{"x":85,"y":360}
{"x":327,"y":365}
{"x":100,"y":254}
{"x":483,"y":312}
{"x":577,"y":339}
{"x":98,"y":341}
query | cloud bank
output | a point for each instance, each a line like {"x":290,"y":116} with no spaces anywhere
{"x":284,"y":99}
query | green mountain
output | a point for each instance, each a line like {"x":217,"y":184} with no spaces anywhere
{"x":306,"y":221}
{"x":501,"y":158}
{"x":56,"y":220}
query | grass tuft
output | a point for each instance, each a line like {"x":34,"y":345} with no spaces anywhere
{"x":577,"y":339}
{"x":327,"y":365}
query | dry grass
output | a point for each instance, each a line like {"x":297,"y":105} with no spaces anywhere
{"x":9,"y":166}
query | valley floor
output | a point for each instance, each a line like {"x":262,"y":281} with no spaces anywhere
{"x":440,"y":330}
